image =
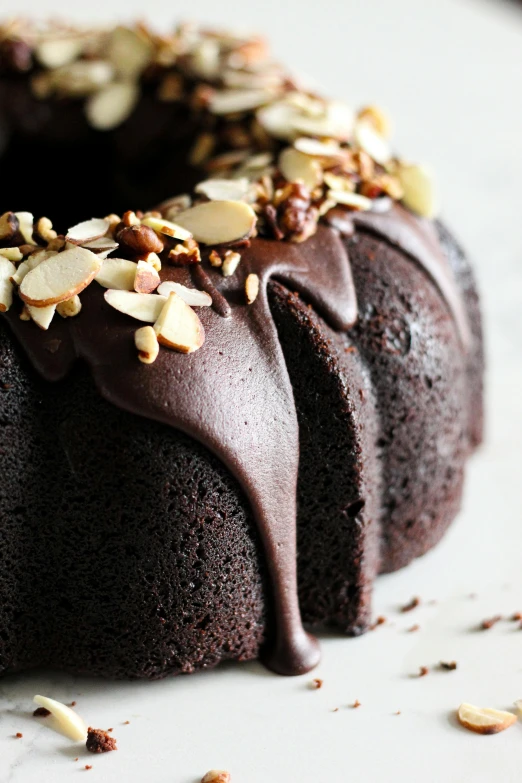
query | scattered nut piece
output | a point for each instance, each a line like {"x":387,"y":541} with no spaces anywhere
{"x":216,"y":776}
{"x":230,"y":263}
{"x":26,"y":222}
{"x":414,"y":628}
{"x":9,"y":226}
{"x":60,"y":277}
{"x":192,"y":296}
{"x":18,"y":735}
{"x":163,"y":226}
{"x":69,"y":722}
{"x":87,"y":231}
{"x":42,"y":316}
{"x":296,"y":166}
{"x":178,"y":326}
{"x":353,"y":200}
{"x":423,"y":671}
{"x":185,"y":254}
{"x":219,"y":222}
{"x":215,"y":259}
{"x":372,"y":142}
{"x":379,"y":621}
{"x":11,"y":253}
{"x":99,"y":741}
{"x":143,"y":307}
{"x":140,"y":240}
{"x":25,"y":315}
{"x":251,"y":288}
{"x":153,"y":259}
{"x":146,"y":279}
{"x":377,"y":118}
{"x":484,"y":720}
{"x":448,"y":666}
{"x":224,"y":189}
{"x":70,"y":307}
{"x":147,"y":344}
{"x":356,"y":704}
{"x":202,"y":149}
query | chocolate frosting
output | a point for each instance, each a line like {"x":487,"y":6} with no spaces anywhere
{"x":234,"y":395}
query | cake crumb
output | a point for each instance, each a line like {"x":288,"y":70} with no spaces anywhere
{"x":415,"y":601}
{"x":516,"y":617}
{"x":126,"y":722}
{"x":98,"y":741}
{"x":398,"y":712}
{"x":88,"y":766}
{"x":379,"y":621}
{"x":316,"y":684}
{"x":414,"y":628}
{"x":73,"y":704}
{"x":18,"y":735}
{"x":335,"y":709}
{"x":356,"y":704}
{"x":111,"y":729}
{"x":448,"y":666}
{"x":41,"y":712}
{"x":423,"y":671}
{"x":490,"y":622}
{"x":77,"y":758}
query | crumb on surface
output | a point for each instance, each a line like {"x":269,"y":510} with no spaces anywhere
{"x":356,"y":704}
{"x":18,"y":735}
{"x":414,"y":628}
{"x":490,"y":622}
{"x":88,"y":766}
{"x":99,"y":741}
{"x":516,"y":617}
{"x":448,"y":666}
{"x":316,"y":684}
{"x":423,"y":671}
{"x":73,"y":704}
{"x":415,"y":601}
{"x":41,"y":712}
{"x":379,"y":621}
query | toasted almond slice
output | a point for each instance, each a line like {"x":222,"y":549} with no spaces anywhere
{"x":11,"y":253}
{"x":70,"y":307}
{"x":112,"y":105}
{"x":192,"y":296}
{"x":55,"y":52}
{"x":101,"y":245}
{"x":69,"y":721}
{"x":484,"y":720}
{"x":143,"y":307}
{"x":42,"y":316}
{"x":217,"y":222}
{"x":130,"y":51}
{"x":278,"y":119}
{"x":26,"y":222}
{"x":251,"y":288}
{"x":224,"y":189}
{"x":163,"y":226}
{"x":31,"y":262}
{"x":7,"y":270}
{"x":318,"y":149}
{"x":216,"y":776}
{"x":295,"y":165}
{"x":178,"y":326}
{"x":372,"y":142}
{"x":232,"y":101}
{"x":77,"y":79}
{"x":87,"y":231}
{"x":230,"y":263}
{"x":335,"y":123}
{"x":60,"y":277}
{"x":419,"y":189}
{"x":146,"y":279}
{"x":337,"y":182}
{"x":376,"y":117}
{"x":147,"y":344}
{"x":117,"y":273}
{"x":353,"y":200}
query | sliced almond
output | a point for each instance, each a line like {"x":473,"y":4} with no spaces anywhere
{"x":101,"y":245}
{"x":217,"y":222}
{"x":295,"y":165}
{"x":7,"y":270}
{"x":192,"y":296}
{"x":372,"y":142}
{"x":376,"y":117}
{"x":484,"y":720}
{"x":147,"y":344}
{"x":70,"y":307}
{"x":11,"y":253}
{"x":318,"y":149}
{"x":419,"y":189}
{"x":216,"y":776}
{"x":230,"y":263}
{"x":178,"y":326}
{"x":68,"y":721}
{"x":146,"y":279}
{"x":153,"y":259}
{"x":87,"y":231}
{"x":56,"y":52}
{"x":31,"y":262}
{"x":251,"y":288}
{"x":278,"y":119}
{"x":129,"y":51}
{"x":335,"y":123}
{"x":233,"y":101}
{"x":60,"y":277}
{"x":112,"y":105}
{"x":337,"y":182}
{"x":117,"y":273}
{"x":353,"y":200}
{"x":143,"y":307}
{"x":78,"y":79}
{"x":42,"y":316}
{"x":224,"y":189}
{"x":167,"y":227}
{"x":26,"y":221}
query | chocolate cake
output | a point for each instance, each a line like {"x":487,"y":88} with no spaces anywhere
{"x":222,"y":417}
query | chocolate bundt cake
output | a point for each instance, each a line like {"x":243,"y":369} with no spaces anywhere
{"x":222,"y":417}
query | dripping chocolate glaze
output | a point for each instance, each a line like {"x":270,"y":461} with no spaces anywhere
{"x":234,"y":395}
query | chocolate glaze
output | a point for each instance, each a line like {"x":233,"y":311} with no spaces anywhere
{"x":234,"y":395}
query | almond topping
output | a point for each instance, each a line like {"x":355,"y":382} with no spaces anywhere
{"x":251,"y":288}
{"x":112,"y":105}
{"x":216,"y":776}
{"x":372,"y":142}
{"x":87,"y":231}
{"x":354,"y":200}
{"x":147,"y":344}
{"x":295,"y":165}
{"x":178,"y":326}
{"x":129,"y":51}
{"x":232,"y":101}
{"x":153,"y":259}
{"x":102,"y":246}
{"x":217,"y":222}
{"x":26,"y":220}
{"x":163,"y":226}
{"x":224,"y":189}
{"x":419,"y":190}
{"x":56,"y":52}
{"x":146,"y":279}
{"x":43,"y":231}
{"x":31,"y":262}
{"x":230,"y":263}
{"x":215,"y":259}
{"x":143,"y":307}
{"x":60,"y":277}
{"x":484,"y":720}
{"x":9,"y":226}
{"x":68,"y":721}
{"x":7,"y":270}
{"x":192,"y":296}
{"x":70,"y":307}
{"x":11,"y":253}
{"x":42,"y":316}
{"x":318,"y":149}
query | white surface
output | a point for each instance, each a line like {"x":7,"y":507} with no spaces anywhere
{"x":451,"y":73}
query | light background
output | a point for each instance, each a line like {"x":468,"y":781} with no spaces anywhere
{"x":450,"y":72}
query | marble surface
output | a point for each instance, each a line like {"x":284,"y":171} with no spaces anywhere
{"x":450,"y":70}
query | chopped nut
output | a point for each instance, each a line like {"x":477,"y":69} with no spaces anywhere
{"x":153,"y":259}
{"x":178,"y":326}
{"x":233,"y":101}
{"x":411,"y":605}
{"x":18,"y":735}
{"x":42,"y":316}
{"x":59,"y":277}
{"x":185,"y":254}
{"x":143,"y":307}
{"x":9,"y":227}
{"x":99,"y":741}
{"x":43,"y":231}
{"x":56,"y":244}
{"x":26,"y":222}
{"x":192,"y":296}
{"x":129,"y":51}
{"x":353,"y":200}
{"x":219,"y":222}
{"x":216,"y":776}
{"x":356,"y":704}
{"x":140,"y":240}
{"x":70,"y":307}
{"x":70,"y":723}
{"x":7,"y":271}
{"x":295,"y":166}
{"x":24,"y":315}
{"x":515,"y":618}
{"x":414,"y":628}
{"x":224,"y":189}
{"x":423,"y":671}
{"x":484,"y":720}
{"x":316,"y":684}
{"x":87,"y":231}
{"x":379,"y":621}
{"x":377,"y":118}
{"x":372,"y":142}
{"x":146,"y":279}
{"x":130,"y":218}
{"x":11,"y":253}
{"x":113,"y":221}
{"x":251,"y":288}
{"x":230,"y":263}
{"x":215,"y":259}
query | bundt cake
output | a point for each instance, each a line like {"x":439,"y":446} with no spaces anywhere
{"x":222,"y":417}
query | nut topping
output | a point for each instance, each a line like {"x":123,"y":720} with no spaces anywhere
{"x":87,"y":231}
{"x":147,"y":344}
{"x":163,"y":226}
{"x":7,"y":270}
{"x":419,"y":190}
{"x":192,"y":296}
{"x":219,"y":222}
{"x":112,"y":105}
{"x":117,"y":273}
{"x":484,"y":720}
{"x":230,"y":263}
{"x":42,"y":316}
{"x":140,"y":240}
{"x":70,"y":307}
{"x":178,"y":326}
{"x":216,"y":776}
{"x":146,"y":279}
{"x":251,"y":288}
{"x":143,"y":307}
{"x":59,"y":277}
{"x":9,"y":226}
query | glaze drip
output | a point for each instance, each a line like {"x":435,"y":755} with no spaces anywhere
{"x":234,"y":395}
